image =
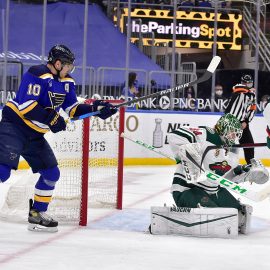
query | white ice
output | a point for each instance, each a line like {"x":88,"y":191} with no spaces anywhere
{"x":118,"y":240}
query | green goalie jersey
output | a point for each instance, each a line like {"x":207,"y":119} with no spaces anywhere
{"x":221,"y":161}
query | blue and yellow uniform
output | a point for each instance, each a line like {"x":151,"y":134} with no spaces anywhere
{"x":39,"y":87}
{"x":43,"y":91}
{"x":27,"y":118}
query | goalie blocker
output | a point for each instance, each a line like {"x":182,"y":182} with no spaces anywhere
{"x":200,"y":222}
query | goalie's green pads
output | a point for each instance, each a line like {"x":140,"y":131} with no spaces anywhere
{"x":245,"y":218}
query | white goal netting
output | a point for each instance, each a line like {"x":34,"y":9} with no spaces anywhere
{"x":102,"y":175}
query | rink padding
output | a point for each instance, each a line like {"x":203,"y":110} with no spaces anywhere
{"x":148,"y":161}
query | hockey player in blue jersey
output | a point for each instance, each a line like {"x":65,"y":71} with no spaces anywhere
{"x":44,"y":89}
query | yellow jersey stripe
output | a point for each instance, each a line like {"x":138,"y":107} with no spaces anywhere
{"x":46,"y":76}
{"x":73,"y":110}
{"x":42,"y":199}
{"x":67,"y":80}
{"x":27,"y":122}
{"x":29,"y":108}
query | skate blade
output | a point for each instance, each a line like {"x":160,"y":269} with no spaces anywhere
{"x":40,"y":228}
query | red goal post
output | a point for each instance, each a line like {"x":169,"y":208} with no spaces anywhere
{"x":86,"y":156}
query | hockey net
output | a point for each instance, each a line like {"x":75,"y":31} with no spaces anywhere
{"x":90,"y":158}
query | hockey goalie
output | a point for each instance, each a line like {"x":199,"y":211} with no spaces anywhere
{"x":202,"y":207}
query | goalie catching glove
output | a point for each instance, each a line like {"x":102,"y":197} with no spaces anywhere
{"x":241,"y":169}
{"x":255,"y":172}
{"x":106,"y":109}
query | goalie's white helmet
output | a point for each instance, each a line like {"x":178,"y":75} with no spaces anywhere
{"x":229,"y":128}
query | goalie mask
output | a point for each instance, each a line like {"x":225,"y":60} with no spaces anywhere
{"x":229,"y":129}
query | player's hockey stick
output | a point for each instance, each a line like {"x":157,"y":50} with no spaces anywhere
{"x":249,"y":145}
{"x":206,"y":76}
{"x":222,"y":181}
{"x":145,"y":145}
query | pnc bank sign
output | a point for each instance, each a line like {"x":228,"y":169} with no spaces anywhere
{"x":192,"y":29}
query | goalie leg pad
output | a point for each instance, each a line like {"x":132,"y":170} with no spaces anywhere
{"x":245,"y":218}
{"x":199,"y":222}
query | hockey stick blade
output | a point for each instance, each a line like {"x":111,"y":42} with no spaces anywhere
{"x":214,"y":64}
{"x":206,"y":76}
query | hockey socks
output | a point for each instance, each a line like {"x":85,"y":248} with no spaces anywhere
{"x":44,"y":188}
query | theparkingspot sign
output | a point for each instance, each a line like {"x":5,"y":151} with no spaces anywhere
{"x":193,"y":29}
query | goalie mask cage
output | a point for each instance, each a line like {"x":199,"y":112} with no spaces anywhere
{"x":90,"y":158}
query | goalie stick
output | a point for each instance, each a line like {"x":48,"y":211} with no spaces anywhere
{"x":206,"y":76}
{"x":148,"y":146}
{"x":222,"y":181}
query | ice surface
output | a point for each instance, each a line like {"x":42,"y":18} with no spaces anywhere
{"x":118,"y":240}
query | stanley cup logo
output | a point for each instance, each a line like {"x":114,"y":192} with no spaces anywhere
{"x":158,"y":134}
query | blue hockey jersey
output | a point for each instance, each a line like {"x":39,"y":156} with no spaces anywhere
{"x":40,"y":86}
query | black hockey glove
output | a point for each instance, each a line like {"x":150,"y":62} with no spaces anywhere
{"x":106,"y":109}
{"x":55,"y":121}
{"x":241,"y":169}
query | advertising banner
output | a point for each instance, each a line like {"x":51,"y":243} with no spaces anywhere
{"x":153,"y":128}
{"x":194,"y":29}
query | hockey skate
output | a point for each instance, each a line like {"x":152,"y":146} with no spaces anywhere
{"x":40,"y":221}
